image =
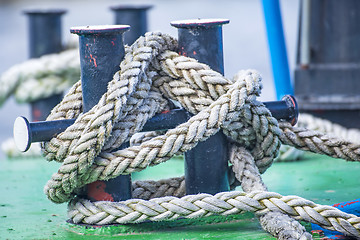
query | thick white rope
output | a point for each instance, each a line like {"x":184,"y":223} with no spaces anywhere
{"x":180,"y":91}
{"x":201,"y":205}
{"x":57,"y":191}
{"x":308,"y":121}
{"x":277,"y":224}
{"x":40,"y":77}
{"x":218,"y":102}
{"x":332,"y":129}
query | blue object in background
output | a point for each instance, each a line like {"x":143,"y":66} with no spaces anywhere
{"x":352,"y":207}
{"x":279,"y":60}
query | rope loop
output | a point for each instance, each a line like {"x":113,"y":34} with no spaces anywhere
{"x":216,"y":101}
{"x":151,"y":74}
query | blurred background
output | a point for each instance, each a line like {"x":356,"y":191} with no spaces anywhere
{"x":245,"y":41}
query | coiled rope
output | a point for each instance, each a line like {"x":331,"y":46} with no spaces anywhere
{"x":150,"y":74}
{"x":41,"y":77}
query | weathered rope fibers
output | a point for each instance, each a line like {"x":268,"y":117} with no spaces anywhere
{"x":217,"y":102}
{"x":42,"y":77}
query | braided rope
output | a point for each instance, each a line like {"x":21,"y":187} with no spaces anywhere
{"x":332,"y":129}
{"x":318,"y":142}
{"x":151,"y":71}
{"x":286,"y":227}
{"x":154,"y":189}
{"x":289,"y":153}
{"x":201,"y":205}
{"x":41,"y":77}
{"x":277,"y":224}
{"x":188,"y":133}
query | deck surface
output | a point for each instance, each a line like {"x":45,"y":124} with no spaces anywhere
{"x":25,"y":212}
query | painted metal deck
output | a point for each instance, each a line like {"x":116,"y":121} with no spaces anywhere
{"x":25,"y":212}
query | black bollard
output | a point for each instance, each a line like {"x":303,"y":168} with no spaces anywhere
{"x":101,"y":51}
{"x":135,"y":16}
{"x":44,"y":38}
{"x":25,"y":133}
{"x":206,"y":165}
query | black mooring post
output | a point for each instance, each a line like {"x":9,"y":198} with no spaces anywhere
{"x":44,"y":38}
{"x":206,"y":165}
{"x":101,"y":51}
{"x":135,"y":16}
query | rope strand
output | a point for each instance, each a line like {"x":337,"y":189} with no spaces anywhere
{"x":201,"y":205}
{"x":150,"y":73}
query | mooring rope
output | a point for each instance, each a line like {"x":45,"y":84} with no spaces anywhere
{"x":289,"y":153}
{"x":228,"y":108}
{"x":41,"y":77}
{"x":201,"y":205}
{"x":151,"y":73}
{"x":332,"y":129}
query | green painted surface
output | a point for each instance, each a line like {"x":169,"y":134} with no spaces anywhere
{"x":321,"y":179}
{"x":25,"y":212}
{"x":214,"y":227}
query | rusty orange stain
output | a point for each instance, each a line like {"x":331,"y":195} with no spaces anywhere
{"x":96,"y":190}
{"x":112,"y":42}
{"x":94,"y":59}
{"x":36,"y":114}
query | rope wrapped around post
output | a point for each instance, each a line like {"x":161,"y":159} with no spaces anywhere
{"x":151,"y":73}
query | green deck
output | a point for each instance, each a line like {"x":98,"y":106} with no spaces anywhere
{"x":25,"y":212}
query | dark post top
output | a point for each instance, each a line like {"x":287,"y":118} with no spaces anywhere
{"x":44,"y":31}
{"x":204,"y":41}
{"x":135,"y":16}
{"x":101,"y":51}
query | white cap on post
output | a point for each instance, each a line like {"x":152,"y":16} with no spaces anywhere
{"x":21,"y":134}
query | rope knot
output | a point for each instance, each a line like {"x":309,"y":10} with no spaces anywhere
{"x":150,"y":74}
